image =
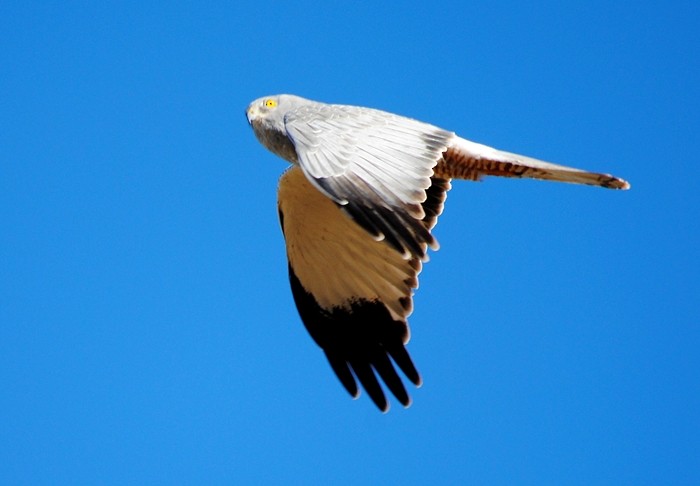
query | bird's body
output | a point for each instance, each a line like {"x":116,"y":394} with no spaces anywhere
{"x":357,"y":209}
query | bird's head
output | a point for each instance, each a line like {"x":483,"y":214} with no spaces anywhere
{"x":266,"y":117}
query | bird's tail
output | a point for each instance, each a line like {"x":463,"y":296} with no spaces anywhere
{"x":469,"y":160}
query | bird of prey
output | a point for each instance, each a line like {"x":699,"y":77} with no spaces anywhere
{"x":357,"y":208}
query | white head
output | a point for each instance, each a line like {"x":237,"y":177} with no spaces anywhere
{"x":266,"y":117}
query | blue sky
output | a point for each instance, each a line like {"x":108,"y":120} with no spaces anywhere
{"x":147,"y":331}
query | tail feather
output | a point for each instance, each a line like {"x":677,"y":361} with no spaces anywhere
{"x":469,"y":160}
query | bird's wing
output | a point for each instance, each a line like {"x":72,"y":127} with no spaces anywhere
{"x":375,"y":165}
{"x":469,"y":160}
{"x":353,"y":293}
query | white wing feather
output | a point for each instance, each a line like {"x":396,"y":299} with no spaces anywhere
{"x":396,"y":155}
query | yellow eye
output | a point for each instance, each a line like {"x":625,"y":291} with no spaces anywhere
{"x":270,"y":103}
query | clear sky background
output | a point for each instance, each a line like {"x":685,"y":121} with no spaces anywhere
{"x":147,"y":330}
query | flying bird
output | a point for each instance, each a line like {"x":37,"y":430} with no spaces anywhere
{"x":357,"y":208}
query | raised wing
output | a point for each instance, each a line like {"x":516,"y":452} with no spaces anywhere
{"x":469,"y":160}
{"x":375,"y":165}
{"x":353,"y":293}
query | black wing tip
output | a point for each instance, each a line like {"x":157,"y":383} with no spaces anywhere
{"x":385,"y":369}
{"x":342,"y":371}
{"x":365,"y":375}
{"x":360,"y":340}
{"x":372,"y":373}
{"x":403,"y":360}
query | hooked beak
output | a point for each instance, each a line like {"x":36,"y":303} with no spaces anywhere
{"x":251,"y":113}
